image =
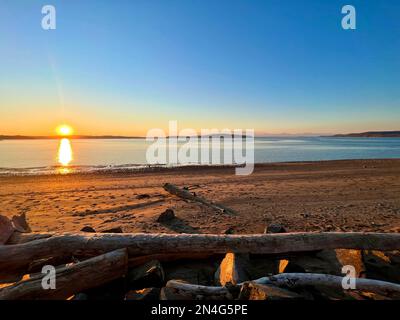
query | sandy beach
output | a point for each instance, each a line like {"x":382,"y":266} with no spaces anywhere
{"x":354,"y":195}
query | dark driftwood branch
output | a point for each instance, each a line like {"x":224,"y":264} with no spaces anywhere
{"x":72,"y":279}
{"x":6,"y":229}
{"x":184,"y":194}
{"x":15,"y":257}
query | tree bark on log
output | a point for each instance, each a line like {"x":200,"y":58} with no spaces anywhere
{"x":184,"y":194}
{"x":14,"y":257}
{"x":71,"y":279}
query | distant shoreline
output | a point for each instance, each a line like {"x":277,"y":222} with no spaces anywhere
{"x":369,"y":134}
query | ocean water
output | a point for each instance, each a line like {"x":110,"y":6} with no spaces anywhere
{"x":42,"y":156}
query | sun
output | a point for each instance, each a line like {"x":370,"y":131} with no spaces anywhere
{"x":64,"y":130}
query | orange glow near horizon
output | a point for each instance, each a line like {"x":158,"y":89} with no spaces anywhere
{"x":64,"y":130}
{"x":64,"y":152}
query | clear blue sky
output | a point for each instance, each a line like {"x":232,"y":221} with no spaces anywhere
{"x":123,"y":67}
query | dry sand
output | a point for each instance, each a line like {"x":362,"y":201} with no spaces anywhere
{"x":356,"y":195}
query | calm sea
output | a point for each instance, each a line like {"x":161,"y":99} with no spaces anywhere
{"x":43,"y":156}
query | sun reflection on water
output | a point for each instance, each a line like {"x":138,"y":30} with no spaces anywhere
{"x":65,"y":153}
{"x":64,"y":170}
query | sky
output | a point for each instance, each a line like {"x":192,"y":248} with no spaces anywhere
{"x":124,"y":67}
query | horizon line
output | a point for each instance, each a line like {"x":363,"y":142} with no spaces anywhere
{"x":50,"y":137}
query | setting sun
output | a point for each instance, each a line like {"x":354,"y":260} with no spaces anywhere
{"x":64,"y":130}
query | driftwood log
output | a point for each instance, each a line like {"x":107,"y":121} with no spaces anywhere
{"x":297,"y":280}
{"x":71,"y":279}
{"x":255,"y":291}
{"x":187,"y":195}
{"x":15,"y":257}
{"x":287,"y":280}
{"x":178,"y":290}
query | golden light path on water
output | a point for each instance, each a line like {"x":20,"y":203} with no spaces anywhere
{"x":64,"y":154}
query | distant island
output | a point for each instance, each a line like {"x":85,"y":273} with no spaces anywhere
{"x":370,"y":134}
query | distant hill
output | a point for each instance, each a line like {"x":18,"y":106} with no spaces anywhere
{"x":18,"y":137}
{"x":371,"y":134}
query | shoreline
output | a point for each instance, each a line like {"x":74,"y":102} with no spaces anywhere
{"x":143,"y":168}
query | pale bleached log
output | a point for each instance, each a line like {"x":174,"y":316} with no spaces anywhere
{"x":194,"y":291}
{"x":297,"y":280}
{"x":255,"y":291}
{"x":187,"y":195}
{"x":14,"y":257}
{"x":71,"y":279}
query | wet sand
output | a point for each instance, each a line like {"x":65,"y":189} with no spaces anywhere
{"x":354,"y":195}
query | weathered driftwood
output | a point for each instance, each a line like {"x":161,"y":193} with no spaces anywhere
{"x":288,"y":280}
{"x":71,"y":279}
{"x":184,"y":194}
{"x":296,"y":280}
{"x":14,"y":257}
{"x":177,"y":290}
{"x":6,"y":229}
{"x":255,"y":291}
